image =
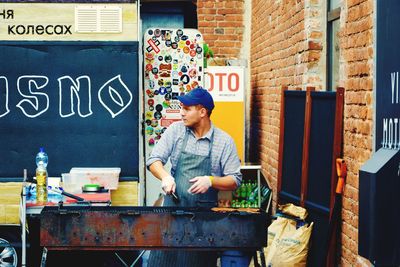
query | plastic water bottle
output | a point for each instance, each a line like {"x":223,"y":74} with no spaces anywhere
{"x":41,"y":176}
{"x":42,"y":158}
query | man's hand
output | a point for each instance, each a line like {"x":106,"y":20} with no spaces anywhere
{"x":168,"y":184}
{"x":201,"y":184}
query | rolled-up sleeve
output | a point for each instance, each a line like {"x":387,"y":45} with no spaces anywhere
{"x":163,"y":149}
{"x":230,"y":162}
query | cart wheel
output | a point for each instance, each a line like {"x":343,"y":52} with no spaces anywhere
{"x":8,"y":254}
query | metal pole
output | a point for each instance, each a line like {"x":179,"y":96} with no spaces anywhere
{"x":23,"y":221}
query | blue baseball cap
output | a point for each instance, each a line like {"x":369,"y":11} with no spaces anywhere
{"x":198,"y":96}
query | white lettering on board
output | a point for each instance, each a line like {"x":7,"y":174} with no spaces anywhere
{"x":37,"y":102}
{"x":395,"y":87}
{"x":116,"y":91}
{"x":74,"y":96}
{"x":70,"y":91}
{"x":4,"y":110}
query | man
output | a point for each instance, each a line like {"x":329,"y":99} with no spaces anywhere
{"x":203,"y":161}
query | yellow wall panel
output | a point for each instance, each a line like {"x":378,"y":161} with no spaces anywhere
{"x":229,"y":116}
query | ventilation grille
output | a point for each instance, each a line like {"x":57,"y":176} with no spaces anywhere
{"x":98,"y":19}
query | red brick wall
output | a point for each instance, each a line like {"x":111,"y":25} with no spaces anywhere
{"x":284,"y":50}
{"x":222,"y":25}
{"x":287,"y":49}
{"x":356,"y":43}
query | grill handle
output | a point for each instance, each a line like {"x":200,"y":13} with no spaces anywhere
{"x":184,"y":213}
{"x":130,"y":214}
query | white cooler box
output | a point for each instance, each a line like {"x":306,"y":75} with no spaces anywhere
{"x":78,"y":177}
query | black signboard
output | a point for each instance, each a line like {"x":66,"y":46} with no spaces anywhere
{"x":78,"y":100}
{"x":387,"y":75}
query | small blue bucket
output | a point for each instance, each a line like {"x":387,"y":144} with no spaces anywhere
{"x":235,"y":258}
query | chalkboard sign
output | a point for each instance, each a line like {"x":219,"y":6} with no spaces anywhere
{"x":295,"y":102}
{"x":320,"y":154}
{"x":387,"y":75}
{"x":78,"y":100}
{"x":320,"y":149}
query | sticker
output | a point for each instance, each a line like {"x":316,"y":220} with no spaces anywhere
{"x":156,"y":92}
{"x":187,"y":42}
{"x":157,"y":32}
{"x":149,"y":67}
{"x":165,"y":104}
{"x":160,"y":82}
{"x":186,"y":50}
{"x":175,"y":95}
{"x":157,"y":114}
{"x":151,"y":142}
{"x":160,"y":58}
{"x":167,"y":97}
{"x":192,"y":53}
{"x":162,"y":90}
{"x":154,"y":45}
{"x":191,"y":46}
{"x":168,"y":43}
{"x":150,"y":102}
{"x":157,"y":131}
{"x":168,"y":58}
{"x":179,"y":32}
{"x":149,"y":115}
{"x":166,"y":34}
{"x":154,"y":70}
{"x":149,"y":56}
{"x":149,"y":130}
{"x":154,"y":123}
{"x":151,"y":108}
{"x":169,"y":89}
{"x":174,"y":45}
{"x":199,"y":50}
{"x":176,"y":39}
{"x":175,"y":81}
{"x":184,"y":69}
{"x":195,"y":84}
{"x":150,"y":32}
{"x":151,"y":84}
{"x":184,"y":37}
{"x":159,"y":107}
{"x":192,"y":73}
{"x":181,"y":44}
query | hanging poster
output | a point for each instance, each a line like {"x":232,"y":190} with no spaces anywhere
{"x":226,"y":85}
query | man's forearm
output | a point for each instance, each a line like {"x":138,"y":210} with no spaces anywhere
{"x":157,"y":169}
{"x":224,"y":183}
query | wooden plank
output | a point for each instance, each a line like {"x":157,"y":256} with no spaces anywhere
{"x":281,"y":139}
{"x":337,"y":152}
{"x":306,"y":143}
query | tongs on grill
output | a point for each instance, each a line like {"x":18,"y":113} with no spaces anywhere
{"x":175,"y":198}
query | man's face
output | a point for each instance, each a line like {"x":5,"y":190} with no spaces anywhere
{"x":191,"y":115}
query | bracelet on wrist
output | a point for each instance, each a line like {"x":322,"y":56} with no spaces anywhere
{"x":211,"y":179}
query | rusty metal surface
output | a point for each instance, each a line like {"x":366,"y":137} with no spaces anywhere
{"x":70,"y":228}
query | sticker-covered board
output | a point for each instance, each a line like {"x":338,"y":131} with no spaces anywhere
{"x":173,"y":65}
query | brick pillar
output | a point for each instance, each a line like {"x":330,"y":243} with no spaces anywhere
{"x":221,"y":22}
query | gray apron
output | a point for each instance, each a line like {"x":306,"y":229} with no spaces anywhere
{"x":189,"y":166}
